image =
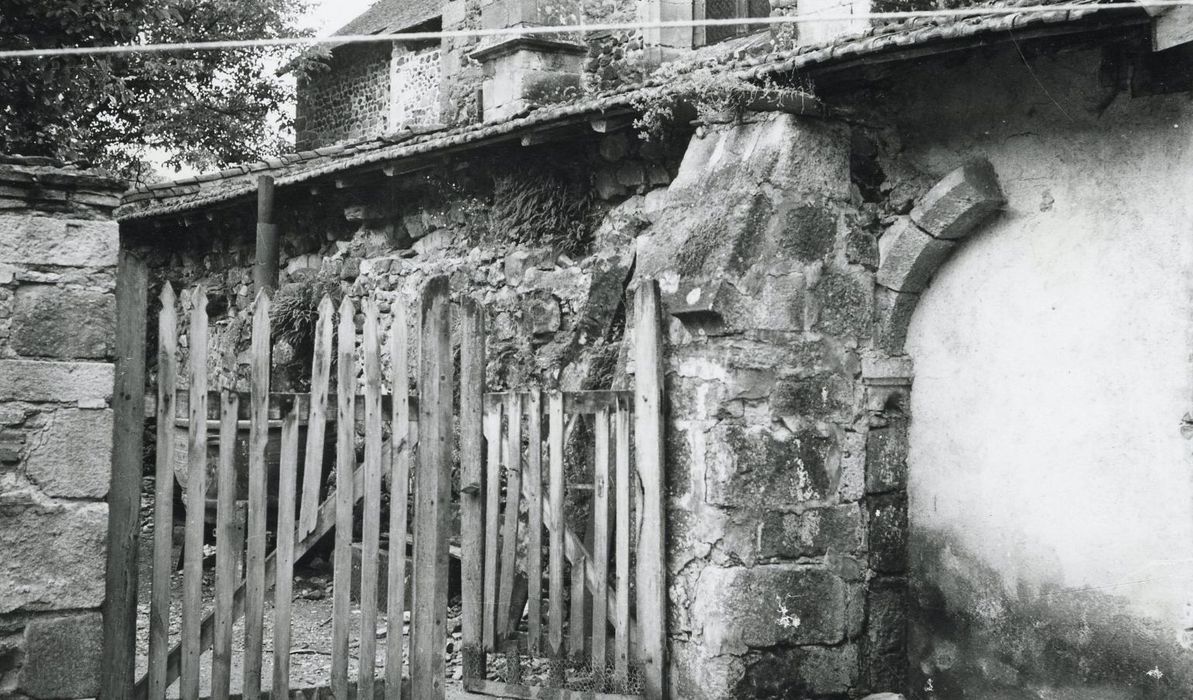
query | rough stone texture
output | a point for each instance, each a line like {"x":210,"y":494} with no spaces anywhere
{"x":347,"y":102}
{"x":41,"y":240}
{"x":45,"y":381}
{"x":739,"y":608}
{"x":955,"y":206}
{"x":63,"y":657}
{"x":58,"y":251}
{"x":908,"y":257}
{"x":886,"y":458}
{"x":52,"y":322}
{"x":53,"y":555}
{"x":71,"y":456}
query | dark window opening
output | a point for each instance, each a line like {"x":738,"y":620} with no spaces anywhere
{"x":732,"y":9}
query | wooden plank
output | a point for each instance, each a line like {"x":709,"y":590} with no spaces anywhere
{"x":227,"y":552}
{"x":513,"y":495}
{"x":472,"y":507}
{"x":648,"y":434}
{"x":124,"y":494}
{"x":576,"y":621}
{"x":196,"y":488}
{"x":344,"y":497}
{"x":498,"y":689}
{"x":258,"y":505}
{"x":621,"y":616}
{"x":284,"y":553}
{"x":312,"y":472}
{"x":600,"y":541}
{"x":432,"y":495}
{"x":401,"y":448}
{"x":534,"y":545}
{"x":555,"y":524}
{"x":592,"y":401}
{"x":492,"y":520}
{"x":371,"y":518}
{"x":574,"y":402}
{"x":163,"y":505}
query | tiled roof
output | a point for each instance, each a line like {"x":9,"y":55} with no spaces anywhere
{"x":391,"y":16}
{"x":161,"y":199}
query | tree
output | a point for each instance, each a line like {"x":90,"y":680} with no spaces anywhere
{"x":199,"y":108}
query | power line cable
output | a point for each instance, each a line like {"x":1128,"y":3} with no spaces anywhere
{"x":512,"y":32}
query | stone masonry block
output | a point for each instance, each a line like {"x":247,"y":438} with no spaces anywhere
{"x":888,"y":533}
{"x":755,"y":468}
{"x":812,"y":532}
{"x":892,"y":316}
{"x":35,"y":240}
{"x":64,"y":382}
{"x":739,"y":607}
{"x":803,"y":672}
{"x":63,"y":657}
{"x":71,"y":457}
{"x":908,"y":257}
{"x":886,"y":457}
{"x":63,"y":323}
{"x":954,"y":207}
{"x":54,"y":556}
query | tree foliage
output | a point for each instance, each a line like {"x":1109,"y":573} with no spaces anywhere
{"x":196,"y":108}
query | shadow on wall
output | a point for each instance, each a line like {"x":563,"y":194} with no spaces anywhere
{"x":972,"y":638}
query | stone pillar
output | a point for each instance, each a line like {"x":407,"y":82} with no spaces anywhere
{"x":778,"y":585}
{"x":58,"y":250}
{"x":522,"y":72}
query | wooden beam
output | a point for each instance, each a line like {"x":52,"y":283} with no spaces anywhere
{"x":124,"y":495}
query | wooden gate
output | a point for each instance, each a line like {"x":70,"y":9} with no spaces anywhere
{"x":533,"y":450}
{"x":298,"y":527}
{"x":493,"y":462}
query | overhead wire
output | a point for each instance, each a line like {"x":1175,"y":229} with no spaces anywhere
{"x":513,"y":32}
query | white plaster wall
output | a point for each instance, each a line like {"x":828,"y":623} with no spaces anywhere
{"x":1052,"y":351}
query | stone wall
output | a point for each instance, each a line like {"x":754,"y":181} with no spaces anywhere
{"x":777,"y":582}
{"x":58,"y":250}
{"x":348,"y":101}
{"x":414,"y":91}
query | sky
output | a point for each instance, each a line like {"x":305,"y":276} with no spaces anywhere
{"x":329,"y":15}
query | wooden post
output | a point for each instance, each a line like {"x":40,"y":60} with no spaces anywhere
{"x":492,"y":514}
{"x":401,"y":448}
{"x":509,"y":534}
{"x":312,"y":472}
{"x":472,"y":505}
{"x":227,"y":551}
{"x":555,"y":522}
{"x":284,"y":553}
{"x":371,"y":520}
{"x":534,"y":546}
{"x":265,"y":271}
{"x":196,"y":491}
{"x":600,"y":543}
{"x":432,"y":498}
{"x":124,"y":496}
{"x":344,"y":497}
{"x":254,"y":606}
{"x":163,"y":506}
{"x":648,"y":418}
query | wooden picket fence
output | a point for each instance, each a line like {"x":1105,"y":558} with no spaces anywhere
{"x":428,"y":436}
{"x":633,"y":666}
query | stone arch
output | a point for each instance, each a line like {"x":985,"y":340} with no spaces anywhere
{"x":915,"y":246}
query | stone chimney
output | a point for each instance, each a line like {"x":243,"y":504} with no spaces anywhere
{"x":521,"y":72}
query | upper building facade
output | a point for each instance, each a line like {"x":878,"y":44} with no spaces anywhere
{"x":373,"y":89}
